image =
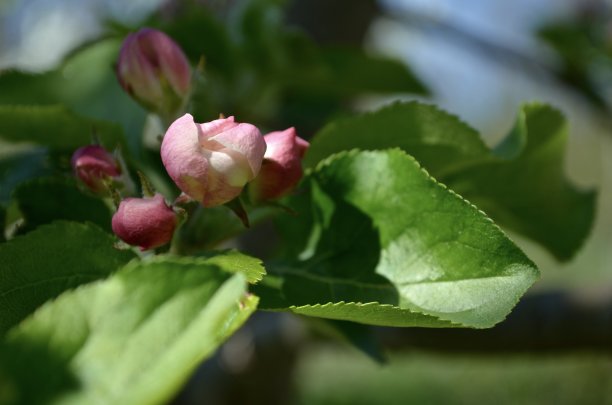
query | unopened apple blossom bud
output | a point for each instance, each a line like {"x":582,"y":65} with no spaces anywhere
{"x":146,"y":222}
{"x":212,"y":162}
{"x":153,"y":69}
{"x":94,"y":165}
{"x":281,"y":169}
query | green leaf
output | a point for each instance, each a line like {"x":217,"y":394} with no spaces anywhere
{"x":372,"y":313}
{"x":56,"y":127}
{"x":515,"y":183}
{"x":42,"y":264}
{"x":75,"y":79}
{"x":19,"y":167}
{"x":209,"y":227}
{"x":525,"y":188}
{"x":257,"y":26}
{"x":235,"y":262}
{"x":438,"y":140}
{"x":85,"y":83}
{"x":44,"y":200}
{"x":391,"y":246}
{"x":583,"y":49}
{"x":348,"y":72}
{"x":134,"y":338}
{"x":201,"y":35}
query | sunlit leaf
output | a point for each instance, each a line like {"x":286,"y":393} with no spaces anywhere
{"x":514,"y":183}
{"x":235,"y":262}
{"x":133,"y":338}
{"x":391,"y":246}
{"x":42,"y":264}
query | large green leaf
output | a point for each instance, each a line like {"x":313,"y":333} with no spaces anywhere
{"x":438,"y":140}
{"x":45,"y":200}
{"x":42,"y":264}
{"x":525,"y":188}
{"x":56,"y":127}
{"x":521,"y":183}
{"x":133,"y":338}
{"x":391,"y":246}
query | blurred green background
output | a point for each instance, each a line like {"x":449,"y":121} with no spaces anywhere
{"x":329,"y":375}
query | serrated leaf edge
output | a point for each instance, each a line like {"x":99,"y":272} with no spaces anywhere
{"x":370,"y":304}
{"x":354,"y":152}
{"x":194,"y":261}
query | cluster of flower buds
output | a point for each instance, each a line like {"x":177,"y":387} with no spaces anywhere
{"x":146,"y":222}
{"x":211,"y":162}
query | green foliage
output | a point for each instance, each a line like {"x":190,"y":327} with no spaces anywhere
{"x":346,"y":72}
{"x":585,"y":53}
{"x":438,"y":140}
{"x":19,"y":167}
{"x":235,"y":262}
{"x":525,"y":188}
{"x":85,"y":83}
{"x":513,"y":183}
{"x":74,"y":80}
{"x":201,"y":35}
{"x":42,"y":264}
{"x":134,"y":338}
{"x":259,"y":70}
{"x":209,"y":227}
{"x":398,"y":249}
{"x":56,"y":127}
{"x":44,"y":200}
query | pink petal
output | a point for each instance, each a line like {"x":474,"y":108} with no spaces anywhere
{"x":247,"y":140}
{"x":180,"y":153}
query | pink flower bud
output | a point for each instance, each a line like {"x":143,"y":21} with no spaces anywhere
{"x":281,"y":169}
{"x":144,"y":222}
{"x":153,"y":69}
{"x":212,"y":162}
{"x":93,"y":165}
